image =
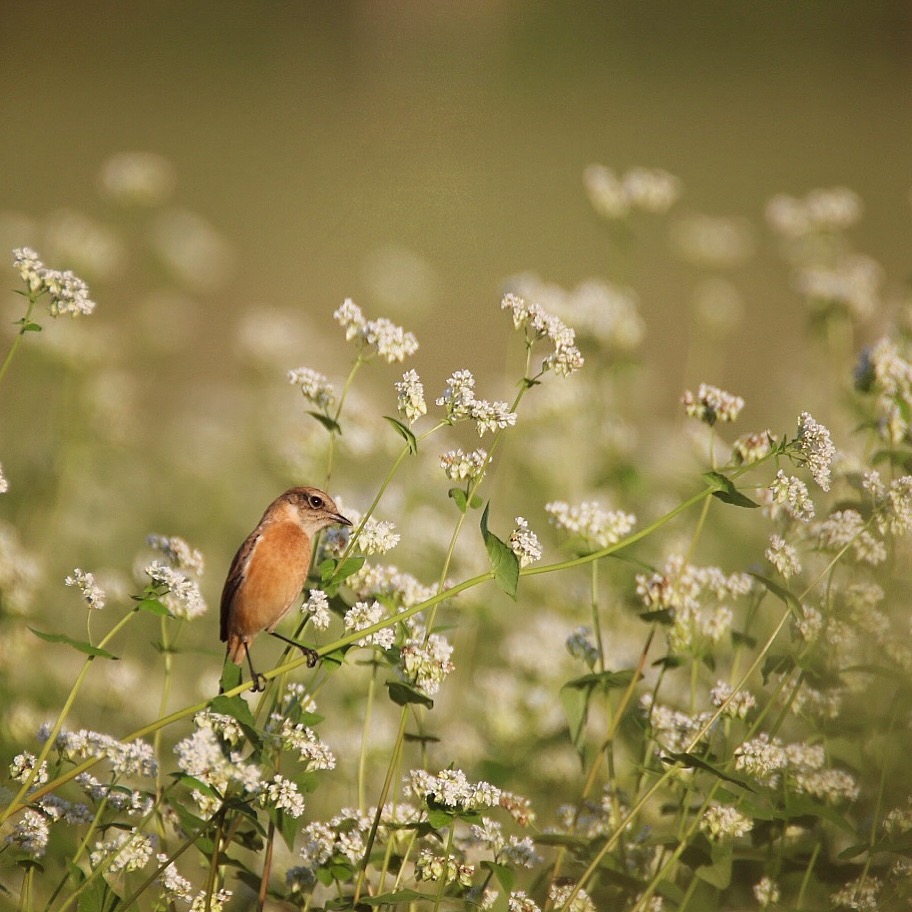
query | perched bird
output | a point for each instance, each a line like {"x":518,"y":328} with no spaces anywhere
{"x":270,"y":569}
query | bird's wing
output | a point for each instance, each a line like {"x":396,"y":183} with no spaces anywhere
{"x":235,"y":577}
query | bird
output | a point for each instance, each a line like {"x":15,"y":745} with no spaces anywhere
{"x":269,"y":571}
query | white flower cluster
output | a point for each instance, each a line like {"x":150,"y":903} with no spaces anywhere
{"x":539,"y":324}
{"x":431,"y":867}
{"x":380,"y":336}
{"x":426,"y":664}
{"x":410,"y":390}
{"x":126,"y":758}
{"x":893,"y":504}
{"x":847,"y":527}
{"x":69,"y":295}
{"x":205,"y":756}
{"x":883,"y":372}
{"x":524,"y":543}
{"x":853,"y":282}
{"x":820,"y":212}
{"x":311,"y":749}
{"x":344,"y":835}
{"x":182,"y":596}
{"x":792,"y":495}
{"x":711,"y":404}
{"x":673,"y":731}
{"x":460,"y":403}
{"x":316,"y":605}
{"x":25,"y":765}
{"x":314,"y":386}
{"x":179,"y":552}
{"x":451,"y":789}
{"x":590,"y":522}
{"x":580,"y":645}
{"x":783,"y":557}
{"x":766,"y":892}
{"x":92,"y":593}
{"x":816,"y":448}
{"x":458,"y":465}
{"x":767,"y":760}
{"x":283,"y":795}
{"x":365,"y":614}
{"x":377,"y":537}
{"x":613,"y":196}
{"x":4,"y":484}
{"x":720,"y":823}
{"x":515,"y":851}
{"x":30,"y":834}
{"x":859,"y":895}
{"x":520,"y":901}
{"x":738,"y":706}
{"x":125,"y":851}
{"x":386,"y":582}
{"x":752,"y":447}
{"x":559,"y":894}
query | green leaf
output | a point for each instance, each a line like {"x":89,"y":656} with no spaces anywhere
{"x":783,"y":595}
{"x":79,"y":645}
{"x":806,"y":806}
{"x":237,"y":709}
{"x":287,"y":825}
{"x":153,"y":606}
{"x":575,"y":702}
{"x":693,"y":762}
{"x":403,"y":694}
{"x":504,"y":562}
{"x":439,"y":819}
{"x":605,"y":679}
{"x":776,"y":664}
{"x":719,"y":873}
{"x":506,"y":877}
{"x":231,"y":676}
{"x":724,"y":489}
{"x":331,"y":572}
{"x":400,"y":896}
{"x":28,"y":327}
{"x":743,"y":639}
{"x":327,"y":422}
{"x":404,"y":432}
{"x":660,"y":616}
{"x":193,"y":783}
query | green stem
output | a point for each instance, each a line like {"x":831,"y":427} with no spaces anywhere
{"x":32,"y":299}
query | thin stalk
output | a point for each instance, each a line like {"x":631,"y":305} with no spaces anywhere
{"x":32,"y":299}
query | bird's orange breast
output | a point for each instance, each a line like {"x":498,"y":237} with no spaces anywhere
{"x":273,"y":578}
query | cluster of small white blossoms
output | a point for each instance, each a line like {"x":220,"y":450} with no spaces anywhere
{"x":559,"y":895}
{"x":884,"y":373}
{"x":516,"y":851}
{"x":767,"y":760}
{"x":451,"y":789}
{"x":600,"y":310}
{"x":177,"y":888}
{"x":459,"y":465}
{"x":892,"y":504}
{"x":820,"y":212}
{"x":182,"y":596}
{"x":30,"y":834}
{"x":206,"y":755}
{"x":815,"y":447}
{"x":25,"y":766}
{"x":721,"y":822}
{"x":590,"y":522}
{"x":899,"y":820}
{"x":410,"y":396}
{"x":685,"y":589}
{"x":179,"y":552}
{"x":4,"y":484}
{"x":847,"y":527}
{"x":316,"y":607}
{"x":311,"y":749}
{"x":613,"y":196}
{"x":343,"y":835}
{"x":566,"y":358}
{"x":766,"y":892}
{"x":580,"y":645}
{"x":520,"y":901}
{"x":283,"y":795}
{"x":365,"y":614}
{"x":738,"y":705}
{"x":127,"y":758}
{"x":376,"y":536}
{"x":460,"y":403}
{"x":783,"y":556}
{"x":427,"y":662}
{"x":431,"y":867}
{"x":791,"y":494}
{"x":127,"y":850}
{"x":386,"y":582}
{"x":92,"y":593}
{"x":752,"y":447}
{"x":134,"y":803}
{"x":672,"y":730}
{"x":859,"y":895}
{"x":711,"y":404}
{"x":853,"y":281}
{"x":69,"y":295}
{"x":380,"y":336}
{"x":314,"y":386}
{"x":524,"y":543}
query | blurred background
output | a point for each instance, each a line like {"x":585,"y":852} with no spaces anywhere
{"x":413,"y":156}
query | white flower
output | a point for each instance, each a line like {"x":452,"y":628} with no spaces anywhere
{"x":30,"y":834}
{"x":427,"y":663}
{"x":792,"y":494}
{"x":182,"y":596}
{"x":4,"y":484}
{"x":283,"y":795}
{"x":712,"y":404}
{"x":92,"y":593}
{"x":591,"y":522}
{"x":315,"y":387}
{"x":366,"y":614}
{"x":377,"y":537}
{"x":410,"y":391}
{"x":783,"y":556}
{"x":721,"y":823}
{"x":69,"y":295}
{"x":381,"y":336}
{"x":179,"y":552}
{"x":317,"y":606}
{"x":461,"y":466}
{"x":524,"y":543}
{"x":817,"y":448}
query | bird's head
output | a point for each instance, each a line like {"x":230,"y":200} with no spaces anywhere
{"x":315,"y":509}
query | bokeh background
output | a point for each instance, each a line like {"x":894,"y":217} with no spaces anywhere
{"x":413,"y":156}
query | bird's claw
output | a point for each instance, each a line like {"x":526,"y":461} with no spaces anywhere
{"x":259,"y":683}
{"x":312,"y":655}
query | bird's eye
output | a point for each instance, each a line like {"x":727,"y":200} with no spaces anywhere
{"x":316,"y":502}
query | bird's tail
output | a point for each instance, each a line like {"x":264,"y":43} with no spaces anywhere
{"x":236,"y":651}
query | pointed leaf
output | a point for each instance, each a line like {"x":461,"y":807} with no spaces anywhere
{"x":693,"y":762}
{"x":504,"y":562}
{"x":403,"y":694}
{"x":726,"y":491}
{"x":237,"y":709}
{"x":506,"y":877}
{"x":80,"y":645}
{"x":327,"y":422}
{"x":605,"y":679}
{"x":575,"y":702}
{"x":404,"y":432}
{"x":153,"y":606}
{"x":459,"y":498}
{"x":395,"y":899}
{"x":782,"y":594}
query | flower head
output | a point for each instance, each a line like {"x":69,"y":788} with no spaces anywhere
{"x":68,"y":294}
{"x":381,"y":336}
{"x":524,"y":543}
{"x":315,"y":387}
{"x":411,"y":402}
{"x":92,"y":593}
{"x":712,"y":404}
{"x":816,"y":448}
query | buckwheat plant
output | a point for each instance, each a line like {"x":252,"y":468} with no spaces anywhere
{"x":590,"y":680}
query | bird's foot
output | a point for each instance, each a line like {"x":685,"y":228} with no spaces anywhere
{"x":312,"y":655}
{"x":259,"y":683}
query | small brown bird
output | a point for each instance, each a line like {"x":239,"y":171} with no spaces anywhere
{"x":270,"y":569}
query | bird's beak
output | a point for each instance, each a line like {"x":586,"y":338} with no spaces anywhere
{"x":341,"y":520}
